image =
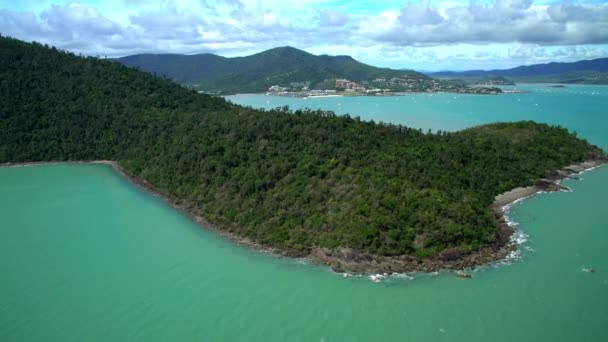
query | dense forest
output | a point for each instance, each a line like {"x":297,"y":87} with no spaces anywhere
{"x":288,"y":179}
{"x":256,"y":73}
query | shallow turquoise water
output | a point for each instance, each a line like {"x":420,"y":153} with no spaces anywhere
{"x":86,"y":256}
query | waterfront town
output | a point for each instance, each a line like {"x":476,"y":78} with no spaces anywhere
{"x":379,"y":87}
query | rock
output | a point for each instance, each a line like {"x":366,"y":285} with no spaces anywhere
{"x":451,"y":254}
{"x":337,"y":269}
{"x":462,"y":274}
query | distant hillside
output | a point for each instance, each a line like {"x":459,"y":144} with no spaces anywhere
{"x":278,"y":66}
{"x":588,"y":71}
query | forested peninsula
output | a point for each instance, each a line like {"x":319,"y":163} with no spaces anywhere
{"x":301,"y":183}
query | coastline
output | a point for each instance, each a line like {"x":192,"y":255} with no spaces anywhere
{"x":305,"y":95}
{"x":348,"y":260}
{"x":548,"y":184}
{"x":502,"y":249}
{"x":181,"y":205}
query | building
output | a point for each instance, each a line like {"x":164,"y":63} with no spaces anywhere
{"x":276,"y":89}
{"x":348,"y":85}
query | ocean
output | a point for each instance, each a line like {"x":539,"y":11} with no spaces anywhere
{"x":87,"y":256}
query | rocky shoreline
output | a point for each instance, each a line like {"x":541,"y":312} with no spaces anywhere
{"x":348,"y":260}
{"x":181,"y":205}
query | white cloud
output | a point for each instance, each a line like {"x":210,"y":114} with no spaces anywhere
{"x":72,"y":26}
{"x":413,"y":14}
{"x":527,"y":51}
{"x":504,"y":21}
{"x":331,"y":17}
{"x":429,"y":35}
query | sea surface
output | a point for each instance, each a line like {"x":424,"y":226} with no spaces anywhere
{"x":87,"y":256}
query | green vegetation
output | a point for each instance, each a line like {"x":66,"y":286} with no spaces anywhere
{"x":286,"y":179}
{"x":256,"y":73}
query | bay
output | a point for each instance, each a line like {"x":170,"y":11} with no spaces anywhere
{"x":579,"y":107}
{"x":85,"y":255}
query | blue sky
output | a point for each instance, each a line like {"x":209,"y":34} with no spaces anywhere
{"x":417,"y":34}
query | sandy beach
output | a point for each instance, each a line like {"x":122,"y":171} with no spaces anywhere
{"x":544,"y":184}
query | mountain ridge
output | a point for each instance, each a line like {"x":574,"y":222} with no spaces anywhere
{"x":582,"y":71}
{"x":257,"y":72}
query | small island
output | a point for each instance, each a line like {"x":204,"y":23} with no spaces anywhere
{"x":356,"y":195}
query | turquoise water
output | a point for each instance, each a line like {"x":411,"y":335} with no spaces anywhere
{"x":581,"y":108}
{"x":86,"y":256}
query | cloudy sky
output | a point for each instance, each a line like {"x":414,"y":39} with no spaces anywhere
{"x":417,"y":34}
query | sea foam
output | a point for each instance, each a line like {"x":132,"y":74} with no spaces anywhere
{"x":376,"y":278}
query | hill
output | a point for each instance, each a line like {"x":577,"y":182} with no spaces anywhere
{"x":256,"y":73}
{"x":588,"y":71}
{"x":298,"y":182}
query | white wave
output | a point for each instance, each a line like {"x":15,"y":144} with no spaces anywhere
{"x":511,"y":223}
{"x":588,"y":270}
{"x":511,"y":257}
{"x":349,"y":275}
{"x":519,"y":238}
{"x":379,"y":277}
{"x":587,"y":170}
{"x":376,"y":278}
{"x":402,"y":276}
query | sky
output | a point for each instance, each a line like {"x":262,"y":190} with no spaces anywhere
{"x":424,"y":35}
